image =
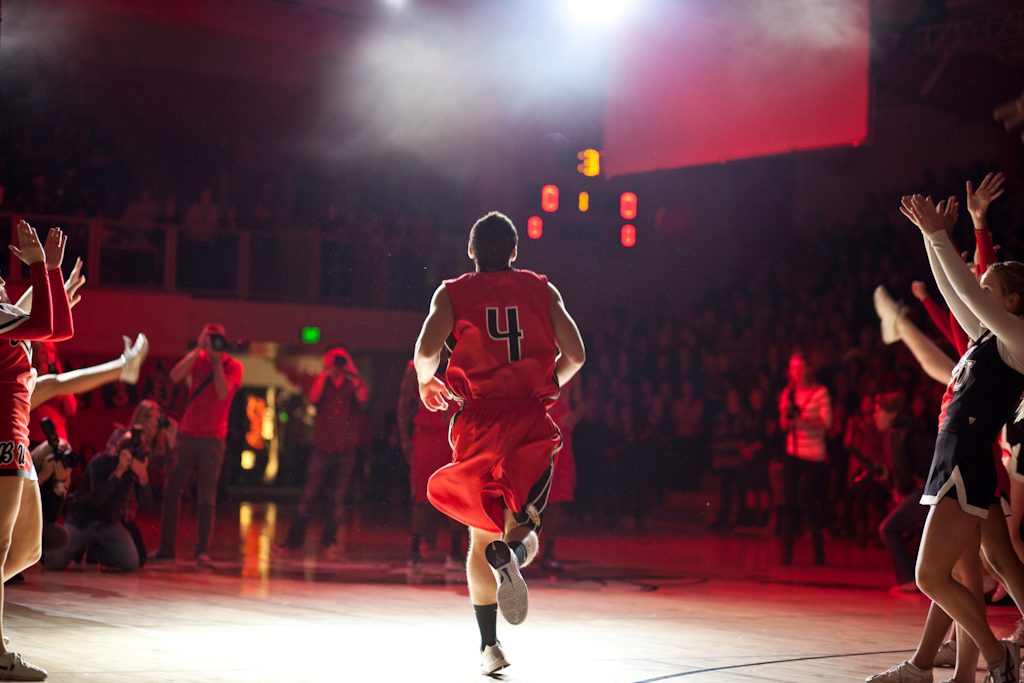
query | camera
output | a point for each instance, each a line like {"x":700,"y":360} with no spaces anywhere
{"x":51,"y":369}
{"x":163,"y":422}
{"x":218,"y":342}
{"x":340,"y":362}
{"x":62,"y":454}
{"x":138,"y":452}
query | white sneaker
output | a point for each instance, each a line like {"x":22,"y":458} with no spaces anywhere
{"x":946,"y":656}
{"x":14,"y":668}
{"x":493,"y":659}
{"x":454,"y":564}
{"x":513,"y":597}
{"x":132,"y":358}
{"x":904,"y":672}
{"x":889,"y":311}
{"x":1007,"y":670}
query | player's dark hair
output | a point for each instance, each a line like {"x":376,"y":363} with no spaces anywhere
{"x":493,"y":239}
{"x":1011,"y":279}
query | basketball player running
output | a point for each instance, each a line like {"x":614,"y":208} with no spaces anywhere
{"x":513,"y":344}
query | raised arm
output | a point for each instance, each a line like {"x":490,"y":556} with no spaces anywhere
{"x":941,"y":218}
{"x":38,"y":325}
{"x":570,"y":344}
{"x":977,"y":205}
{"x":939,"y":316}
{"x":436,"y":328}
{"x":63,"y":327}
{"x":1008,"y":328}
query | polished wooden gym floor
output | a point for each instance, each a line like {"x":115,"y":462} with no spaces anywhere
{"x":629,"y":608}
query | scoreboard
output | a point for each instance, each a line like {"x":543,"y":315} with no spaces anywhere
{"x":586,"y":198}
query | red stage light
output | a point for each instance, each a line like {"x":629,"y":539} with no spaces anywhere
{"x":549,"y":198}
{"x":535,"y":227}
{"x":627,"y":206}
{"x":628,"y":235}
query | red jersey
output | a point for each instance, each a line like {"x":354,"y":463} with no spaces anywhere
{"x":50,"y":320}
{"x":505,"y":346}
{"x":335,"y":428}
{"x":206,"y":416}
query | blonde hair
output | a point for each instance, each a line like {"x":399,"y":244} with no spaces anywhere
{"x":1011,"y":279}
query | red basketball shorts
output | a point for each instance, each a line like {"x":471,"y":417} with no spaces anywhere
{"x":504,"y":455}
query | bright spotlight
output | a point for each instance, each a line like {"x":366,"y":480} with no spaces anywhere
{"x":596,"y":12}
{"x":394,"y":5}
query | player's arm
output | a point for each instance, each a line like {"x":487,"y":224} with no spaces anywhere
{"x":567,"y":336}
{"x":436,"y":328}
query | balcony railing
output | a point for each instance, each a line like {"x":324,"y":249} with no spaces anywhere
{"x":279,"y":265}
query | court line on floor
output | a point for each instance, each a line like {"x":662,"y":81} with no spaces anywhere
{"x":777,"y":661}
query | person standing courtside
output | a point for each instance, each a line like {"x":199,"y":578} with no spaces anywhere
{"x":512,"y":345}
{"x":805,"y":412}
{"x":336,"y":393}
{"x":214,"y":378}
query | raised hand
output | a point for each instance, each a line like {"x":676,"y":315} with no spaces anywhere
{"x":990,"y":188}
{"x":919,"y":289}
{"x":74,"y":283}
{"x":54,"y":248}
{"x":29,"y":250}
{"x":928,"y":217}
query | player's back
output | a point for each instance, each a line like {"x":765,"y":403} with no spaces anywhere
{"x":505,"y":347}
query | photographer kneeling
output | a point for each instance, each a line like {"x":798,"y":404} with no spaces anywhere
{"x":54,"y":461}
{"x":110,"y":483}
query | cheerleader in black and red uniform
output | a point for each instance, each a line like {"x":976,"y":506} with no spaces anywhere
{"x":21,"y":518}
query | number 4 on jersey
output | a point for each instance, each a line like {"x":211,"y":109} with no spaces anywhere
{"x":511,"y":336}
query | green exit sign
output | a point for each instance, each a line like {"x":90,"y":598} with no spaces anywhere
{"x":310,"y":335}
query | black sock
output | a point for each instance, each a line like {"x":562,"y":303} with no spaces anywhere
{"x":415,"y":544}
{"x":456,"y":549}
{"x":519,"y":550}
{"x":487,"y":620}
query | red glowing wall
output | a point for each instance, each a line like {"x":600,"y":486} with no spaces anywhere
{"x":701,"y":82}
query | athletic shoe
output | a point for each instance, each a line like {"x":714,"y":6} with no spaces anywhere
{"x":946,"y":656}
{"x":905,"y":672}
{"x":415,"y":561}
{"x":132,"y":358}
{"x":513,"y":597}
{"x":331,"y":553}
{"x":1007,"y":670}
{"x":889,"y":311}
{"x":14,"y":668}
{"x":493,"y":659}
{"x":205,"y":561}
{"x":454,"y":564}
{"x":160,"y":555}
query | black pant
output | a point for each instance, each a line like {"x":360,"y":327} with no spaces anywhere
{"x":805,"y":484}
{"x":325,"y":468}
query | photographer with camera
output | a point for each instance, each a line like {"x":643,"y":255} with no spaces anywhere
{"x":214,"y":378}
{"x":805,"y":413}
{"x":335,"y":393}
{"x":54,"y":461}
{"x":114,"y":482}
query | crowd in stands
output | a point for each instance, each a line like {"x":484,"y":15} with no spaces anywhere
{"x":687,"y":399}
{"x":61,"y":164}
